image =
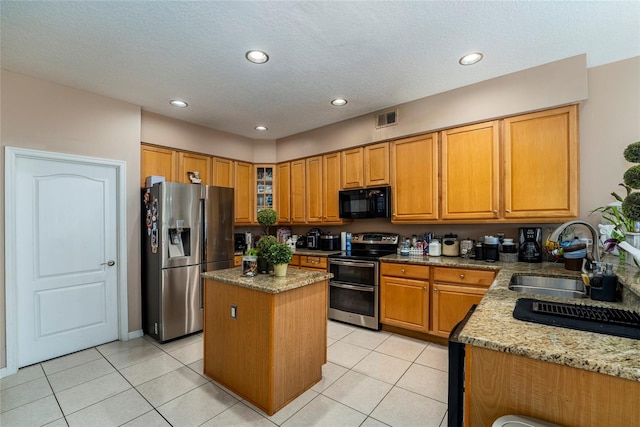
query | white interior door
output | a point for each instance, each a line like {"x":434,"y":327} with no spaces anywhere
{"x":66,"y":252}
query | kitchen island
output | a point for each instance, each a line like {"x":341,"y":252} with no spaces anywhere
{"x":265,"y":337}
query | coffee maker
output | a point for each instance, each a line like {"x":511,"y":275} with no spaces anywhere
{"x":530,"y":248}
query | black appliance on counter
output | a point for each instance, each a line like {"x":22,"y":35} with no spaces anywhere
{"x":530,"y":247}
{"x":301,"y":243}
{"x":354,"y":290}
{"x":372,"y":202}
{"x":239,"y":242}
{"x":455,"y":399}
{"x":330,"y":242}
{"x":313,"y":238}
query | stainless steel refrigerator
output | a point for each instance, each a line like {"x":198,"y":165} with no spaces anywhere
{"x":188,"y":229}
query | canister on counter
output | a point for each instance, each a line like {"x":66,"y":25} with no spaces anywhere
{"x":479,"y":251}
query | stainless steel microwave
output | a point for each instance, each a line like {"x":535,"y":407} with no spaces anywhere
{"x":372,"y":202}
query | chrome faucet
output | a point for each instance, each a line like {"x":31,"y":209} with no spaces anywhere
{"x":595,"y":253}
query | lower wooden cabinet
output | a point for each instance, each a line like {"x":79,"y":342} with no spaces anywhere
{"x":429,"y":299}
{"x":404,"y":296}
{"x":309,"y":262}
{"x":454,"y":291}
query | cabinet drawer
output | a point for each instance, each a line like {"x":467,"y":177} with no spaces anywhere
{"x":405,"y":270}
{"x":295,"y":260}
{"x":464,"y":276}
{"x":318,"y":262}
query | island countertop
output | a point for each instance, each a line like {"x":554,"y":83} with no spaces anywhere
{"x":493,"y":326}
{"x":268,"y":282}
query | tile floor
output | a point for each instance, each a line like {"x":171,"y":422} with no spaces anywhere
{"x":371,"y":379}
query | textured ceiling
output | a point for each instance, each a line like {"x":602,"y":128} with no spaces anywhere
{"x":375,"y":54}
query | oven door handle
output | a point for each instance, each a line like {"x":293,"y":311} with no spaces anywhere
{"x":353,"y":287}
{"x":352,"y":263}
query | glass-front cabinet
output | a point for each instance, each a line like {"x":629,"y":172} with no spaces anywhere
{"x":265,"y":187}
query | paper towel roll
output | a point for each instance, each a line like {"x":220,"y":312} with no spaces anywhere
{"x":343,"y":240}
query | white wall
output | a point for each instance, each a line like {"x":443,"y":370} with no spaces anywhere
{"x":558,"y":83}
{"x":45,"y":116}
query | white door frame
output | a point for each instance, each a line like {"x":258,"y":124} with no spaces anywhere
{"x":12,"y":154}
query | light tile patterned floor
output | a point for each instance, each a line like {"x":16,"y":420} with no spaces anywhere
{"x":371,"y":379}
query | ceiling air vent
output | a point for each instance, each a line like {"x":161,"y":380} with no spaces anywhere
{"x":386,"y":119}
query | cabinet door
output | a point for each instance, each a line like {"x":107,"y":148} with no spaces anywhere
{"x":352,"y":163}
{"x":283,"y":195}
{"x":450,"y":304}
{"x":263,"y":188}
{"x":222,"y":172}
{"x":404,"y":303}
{"x":190,"y":163}
{"x":314,"y":189}
{"x":157,"y":161}
{"x":376,"y":164}
{"x":298,"y":192}
{"x":470,"y":172}
{"x":331,"y":187}
{"x":541,"y":164}
{"x":243,"y":192}
{"x":414,"y":179}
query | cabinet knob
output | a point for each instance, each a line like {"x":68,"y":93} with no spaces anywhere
{"x":434,"y":290}
{"x":402,"y":270}
{"x":462,"y":276}
{"x":425,"y":288}
{"x":508,"y":210}
{"x":495,"y":212}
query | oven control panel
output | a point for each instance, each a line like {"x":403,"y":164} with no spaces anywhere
{"x":375,"y":238}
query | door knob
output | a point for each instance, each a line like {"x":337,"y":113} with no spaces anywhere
{"x":110,"y":263}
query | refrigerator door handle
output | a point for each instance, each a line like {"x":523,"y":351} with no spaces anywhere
{"x":205,"y":227}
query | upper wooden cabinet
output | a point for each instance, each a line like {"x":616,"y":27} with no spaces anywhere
{"x":470,"y":183}
{"x":366,"y":166}
{"x":298,"y":192}
{"x":330,"y":188}
{"x":243,"y":194}
{"x":190,"y":162}
{"x":352,"y":164}
{"x":157,"y":161}
{"x":222,"y":172}
{"x":322,"y":187}
{"x":313,"y":184}
{"x":264,"y":187}
{"x":376,"y":164}
{"x":283,"y":193}
{"x":414,"y":179}
{"x":541,"y":164}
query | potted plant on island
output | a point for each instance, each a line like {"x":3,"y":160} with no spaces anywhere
{"x":279,"y":255}
{"x":266,"y":218}
{"x":263,"y":246}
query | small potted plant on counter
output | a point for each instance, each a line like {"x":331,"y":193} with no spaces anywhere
{"x":279,"y":255}
{"x":263,"y":245}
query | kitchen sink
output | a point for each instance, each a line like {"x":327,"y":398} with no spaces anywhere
{"x":551,"y":286}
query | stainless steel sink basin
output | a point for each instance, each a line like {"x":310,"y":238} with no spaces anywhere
{"x":551,"y":286}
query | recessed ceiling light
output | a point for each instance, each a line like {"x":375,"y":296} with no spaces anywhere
{"x":178,"y":103}
{"x":257,"y":56}
{"x":261,"y":128}
{"x":471,"y":58}
{"x":339,"y":102}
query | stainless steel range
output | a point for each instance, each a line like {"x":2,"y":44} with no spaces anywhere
{"x":354,"y":289}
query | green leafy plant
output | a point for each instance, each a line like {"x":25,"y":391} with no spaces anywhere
{"x":266,"y":218}
{"x":252,"y":252}
{"x":279,"y":253}
{"x":265,"y":243}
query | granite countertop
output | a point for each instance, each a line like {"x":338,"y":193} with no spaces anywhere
{"x":493,"y":326}
{"x":313,"y":252}
{"x":268,"y":282}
